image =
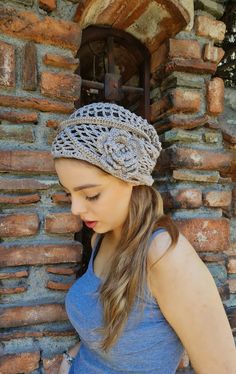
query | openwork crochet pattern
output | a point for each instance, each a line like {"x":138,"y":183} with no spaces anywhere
{"x":111,"y":137}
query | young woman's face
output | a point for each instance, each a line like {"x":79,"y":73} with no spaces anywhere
{"x":95,"y":196}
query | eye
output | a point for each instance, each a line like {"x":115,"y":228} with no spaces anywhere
{"x":93,"y":197}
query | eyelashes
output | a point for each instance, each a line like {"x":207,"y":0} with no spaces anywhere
{"x":92,"y":198}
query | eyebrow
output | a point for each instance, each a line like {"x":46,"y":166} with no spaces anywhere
{"x":79,"y":188}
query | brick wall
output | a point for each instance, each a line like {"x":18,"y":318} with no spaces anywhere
{"x":38,"y":254}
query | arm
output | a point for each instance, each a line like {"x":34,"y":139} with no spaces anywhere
{"x":65,"y":366}
{"x":188,"y":298}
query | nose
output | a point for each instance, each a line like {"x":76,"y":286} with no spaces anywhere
{"x":77,"y":207}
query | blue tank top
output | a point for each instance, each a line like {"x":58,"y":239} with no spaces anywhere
{"x":148,"y":344}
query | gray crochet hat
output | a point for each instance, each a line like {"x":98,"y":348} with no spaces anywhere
{"x":111,"y":137}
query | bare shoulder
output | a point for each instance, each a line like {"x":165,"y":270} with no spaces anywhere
{"x":93,"y":239}
{"x":188,"y":298}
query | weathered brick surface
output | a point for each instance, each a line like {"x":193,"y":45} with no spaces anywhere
{"x":18,"y":225}
{"x":12,"y":290}
{"x":177,"y":120}
{"x":27,"y":161}
{"x":21,"y":199}
{"x":232,"y":285}
{"x":30,"y":315}
{"x":39,"y":254}
{"x":16,"y":334}
{"x":180,"y":157}
{"x":61,"y":61}
{"x":179,"y":100}
{"x":36,"y":103}
{"x":59,"y":270}
{"x":48,"y":5}
{"x":16,"y":274}
{"x":196,"y":175}
{"x":60,"y":198}
{"x":184,"y":48}
{"x":61,"y":85}
{"x":52,"y":365}
{"x":206,"y":234}
{"x":60,"y":223}
{"x":22,"y":133}
{"x":217,"y":199}
{"x":190,"y":66}
{"x":22,"y":184}
{"x":7,"y":65}
{"x":58,"y":286}
{"x":231,"y":264}
{"x":18,"y":117}
{"x":47,"y":30}
{"x":213,"y":54}
{"x":184,"y":198}
{"x":25,"y":362}
{"x":215,"y":96}
{"x":52,"y":124}
{"x":29,"y":75}
{"x":159,"y":57}
{"x":210,"y":28}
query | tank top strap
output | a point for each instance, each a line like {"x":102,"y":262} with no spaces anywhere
{"x":155,"y":233}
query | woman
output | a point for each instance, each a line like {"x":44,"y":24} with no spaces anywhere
{"x":146,"y":294}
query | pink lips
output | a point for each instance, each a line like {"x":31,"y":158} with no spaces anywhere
{"x":90,"y":224}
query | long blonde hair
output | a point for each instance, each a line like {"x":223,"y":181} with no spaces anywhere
{"x":128,"y":272}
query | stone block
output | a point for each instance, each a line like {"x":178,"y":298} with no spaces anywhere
{"x":19,"y":133}
{"x":7,"y":65}
{"x":189,"y":49}
{"x":20,"y":199}
{"x":210,"y":28}
{"x":60,"y":61}
{"x":176,"y":135}
{"x":18,"y":117}
{"x":22,"y":184}
{"x":186,"y":198}
{"x":210,"y":6}
{"x":190,"y":66}
{"x":217,"y":199}
{"x":61,"y":223}
{"x":196,"y":175}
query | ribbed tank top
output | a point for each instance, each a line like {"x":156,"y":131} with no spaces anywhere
{"x":148,"y":344}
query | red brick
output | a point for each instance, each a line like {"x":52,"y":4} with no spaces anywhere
{"x":217,"y":199}
{"x":18,"y":225}
{"x":196,"y":175}
{"x":177,"y":120}
{"x":27,"y":161}
{"x":48,"y":30}
{"x":9,"y":291}
{"x":182,"y":199}
{"x":199,"y":159}
{"x":7,"y":65}
{"x":190,"y":66}
{"x":29,"y":76}
{"x":61,"y":223}
{"x":213,"y":257}
{"x":60,"y":198}
{"x":25,"y":362}
{"x":31,"y":315}
{"x":36,"y":103}
{"x":16,"y":274}
{"x":215,"y":96}
{"x":39,"y":254}
{"x":206,"y":234}
{"x":184,"y":48}
{"x":21,"y":199}
{"x":159,"y":57}
{"x":58,"y":286}
{"x":52,"y":124}
{"x":6,"y":336}
{"x":48,"y":5}
{"x":213,"y":54}
{"x":18,"y":117}
{"x":59,"y":270}
{"x":61,"y":85}
{"x":231,"y":265}
{"x":20,"y":133}
{"x":52,"y":365}
{"x":61,"y":61}
{"x":178,"y":100}
{"x":210,"y":28}
{"x":22,"y":184}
